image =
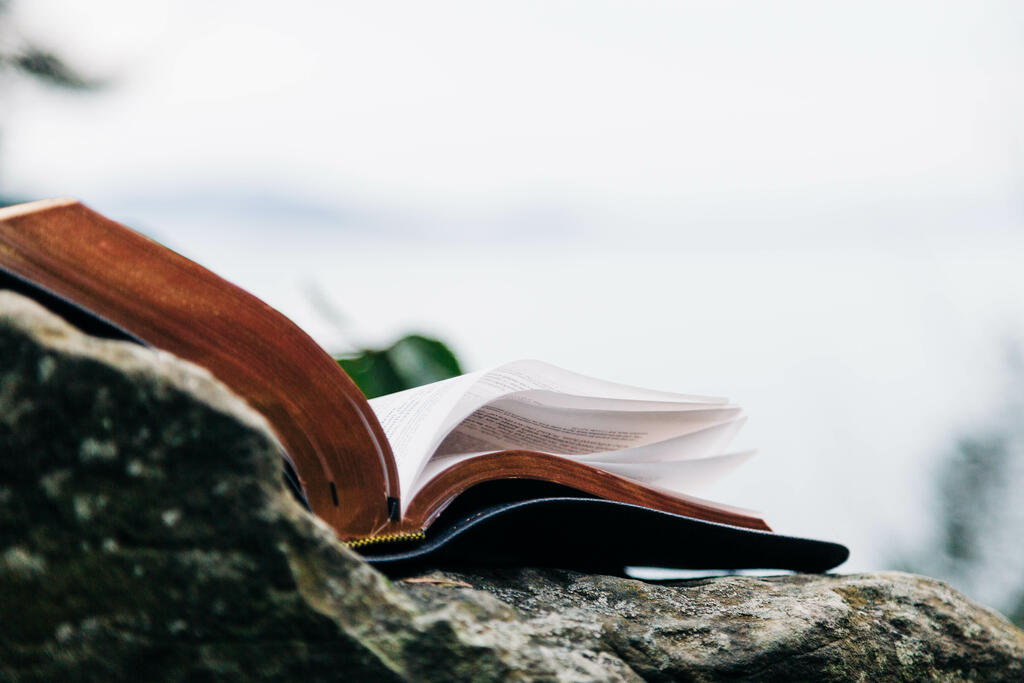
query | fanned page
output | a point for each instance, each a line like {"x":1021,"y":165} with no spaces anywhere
{"x":665,"y":440}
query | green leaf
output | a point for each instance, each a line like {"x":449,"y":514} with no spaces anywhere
{"x":412,"y":361}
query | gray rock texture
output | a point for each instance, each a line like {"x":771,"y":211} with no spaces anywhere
{"x":145,"y":533}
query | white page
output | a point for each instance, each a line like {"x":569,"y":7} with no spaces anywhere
{"x":704,"y":443}
{"x":531,"y":380}
{"x":416,"y":421}
{"x":526,"y":375}
{"x":640,"y":463}
{"x":410,"y":420}
{"x":555,"y":399}
{"x":508,"y":424}
{"x":688,"y":477}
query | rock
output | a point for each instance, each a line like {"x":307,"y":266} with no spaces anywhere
{"x":887,"y":625}
{"x":145,"y":531}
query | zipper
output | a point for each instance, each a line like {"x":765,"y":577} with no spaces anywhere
{"x":387,"y":538}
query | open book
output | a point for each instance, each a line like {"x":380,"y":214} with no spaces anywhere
{"x":522,"y":463}
{"x":531,"y":419}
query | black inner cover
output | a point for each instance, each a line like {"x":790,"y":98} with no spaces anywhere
{"x":520,"y":522}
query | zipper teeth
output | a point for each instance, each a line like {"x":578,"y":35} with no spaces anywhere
{"x":387,"y":538}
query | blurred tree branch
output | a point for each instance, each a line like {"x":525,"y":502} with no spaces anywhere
{"x":46,"y":67}
{"x":36,"y":62}
{"x":25,"y":59}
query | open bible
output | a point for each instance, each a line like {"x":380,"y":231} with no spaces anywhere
{"x":525,"y":463}
{"x":531,"y":419}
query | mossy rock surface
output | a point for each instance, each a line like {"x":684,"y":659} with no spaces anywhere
{"x":145,"y":533}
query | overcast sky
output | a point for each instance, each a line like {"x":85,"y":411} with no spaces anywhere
{"x":808,"y":116}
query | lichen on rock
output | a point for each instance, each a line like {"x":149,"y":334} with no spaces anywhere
{"x":145,"y":532}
